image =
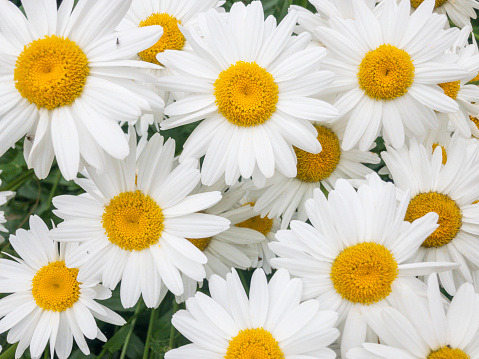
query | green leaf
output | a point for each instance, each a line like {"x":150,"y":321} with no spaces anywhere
{"x":10,"y":352}
{"x":116,"y":342}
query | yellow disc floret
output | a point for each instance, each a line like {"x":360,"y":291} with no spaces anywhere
{"x":448,"y":353}
{"x":386,"y":73}
{"x":254,"y":344}
{"x":443,"y":150}
{"x":51,"y":72}
{"x":316,"y":167}
{"x":172,"y":38}
{"x":364,"y":273}
{"x":415,"y":3}
{"x":55,"y":287}
{"x":261,"y":224}
{"x":451,"y":89}
{"x":200,"y":243}
{"x":475,"y":121}
{"x":450,"y":217}
{"x":246,"y":94}
{"x":133,"y":221}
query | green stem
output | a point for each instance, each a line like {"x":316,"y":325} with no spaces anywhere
{"x":130,"y":332}
{"x":17,"y":182}
{"x":54,"y":188}
{"x":171,"y":344}
{"x":153,"y":314}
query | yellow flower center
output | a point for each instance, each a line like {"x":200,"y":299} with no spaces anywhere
{"x":450,"y":217}
{"x":172,"y":38}
{"x":246,"y":94}
{"x":51,"y":72}
{"x":254,"y":344}
{"x":200,"y":243}
{"x":448,"y":353}
{"x":386,"y":73}
{"x":475,"y":120}
{"x":451,"y":89}
{"x":55,"y":287}
{"x":475,"y":78}
{"x":133,"y":221}
{"x":364,"y":273}
{"x":258,"y":223}
{"x":316,"y":167}
{"x":444,"y":154}
{"x":415,"y":3}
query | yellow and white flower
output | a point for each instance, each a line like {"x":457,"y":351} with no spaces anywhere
{"x":353,"y":256}
{"x":270,"y":323}
{"x":135,"y":220}
{"x":444,"y":181}
{"x":283,"y":196}
{"x":49,"y":301}
{"x":253,"y":84}
{"x":65,"y":75}
{"x":459,"y":11}
{"x":387,"y":67}
{"x":421,"y":329}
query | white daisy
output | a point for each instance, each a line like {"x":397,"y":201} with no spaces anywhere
{"x":4,"y":197}
{"x":49,"y":301}
{"x":253,"y":84}
{"x":387,"y":68}
{"x":284,"y":195}
{"x":134,"y":222}
{"x":238,"y":246}
{"x":446,"y":182}
{"x":459,"y":11}
{"x":168,"y":14}
{"x":64,"y":78}
{"x":421,"y":329}
{"x":270,"y":324}
{"x":352,"y":257}
{"x":464,"y":94}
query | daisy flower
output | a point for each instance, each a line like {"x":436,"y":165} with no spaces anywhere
{"x":239,"y":246}
{"x":252,"y":83}
{"x":65,"y":76}
{"x":387,"y":68}
{"x":466,"y":95}
{"x":169,"y":15}
{"x":270,"y":323}
{"x":445,"y":182}
{"x":4,"y":197}
{"x":49,"y":301}
{"x":352,"y":258}
{"x":422,"y":330}
{"x":459,"y":11}
{"x":284,"y":195}
{"x":135,"y":220}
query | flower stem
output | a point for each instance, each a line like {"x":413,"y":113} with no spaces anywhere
{"x":132,"y":326}
{"x":153,"y":314}
{"x":171,"y":344}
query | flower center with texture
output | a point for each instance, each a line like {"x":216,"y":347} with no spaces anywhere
{"x":386,"y":73}
{"x":415,"y":3}
{"x":316,"y":167}
{"x":200,"y":243}
{"x":261,"y":224}
{"x":448,"y":353}
{"x":450,"y":217}
{"x":364,"y":273}
{"x":443,"y":150}
{"x":55,"y":287}
{"x":246,"y":94}
{"x":51,"y":72}
{"x":475,"y":121}
{"x":172,"y":38}
{"x":451,"y":89}
{"x":254,"y":344}
{"x":133,"y":221}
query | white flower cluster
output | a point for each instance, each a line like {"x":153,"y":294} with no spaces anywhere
{"x":279,"y":175}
